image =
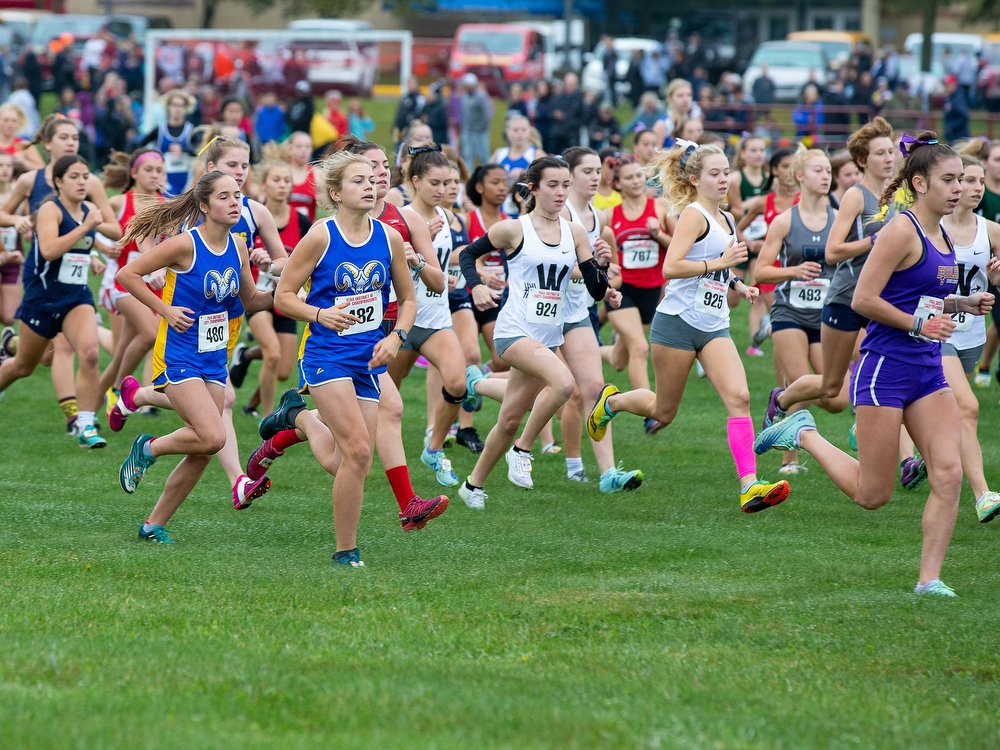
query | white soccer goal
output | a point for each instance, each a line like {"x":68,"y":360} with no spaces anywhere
{"x":246,"y":62}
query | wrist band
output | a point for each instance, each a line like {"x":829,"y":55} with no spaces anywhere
{"x":706,"y":266}
{"x":318,"y":311}
{"x":423,"y":262}
{"x":918,"y":324}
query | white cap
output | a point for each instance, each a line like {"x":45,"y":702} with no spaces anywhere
{"x":469,"y":79}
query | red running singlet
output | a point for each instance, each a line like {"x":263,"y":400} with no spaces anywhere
{"x":304,"y":196}
{"x":131,"y":251}
{"x":477,"y":228}
{"x":640,"y":256}
{"x":391,"y":216}
{"x":770,"y":214}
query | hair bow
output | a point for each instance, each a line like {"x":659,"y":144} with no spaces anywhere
{"x":691,"y":148}
{"x":524,"y":189}
{"x":908,"y":143}
{"x":414,"y":150}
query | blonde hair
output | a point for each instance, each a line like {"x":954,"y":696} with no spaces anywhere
{"x":676,"y":179}
{"x":801,"y":156}
{"x":979,"y":148}
{"x":333,"y":168}
{"x":678,"y":83}
{"x":22,"y":119}
{"x":739,"y":161}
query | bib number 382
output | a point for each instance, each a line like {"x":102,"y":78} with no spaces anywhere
{"x":366,"y":307}
{"x":710,"y":298}
{"x":73,"y":269}
{"x":544,"y":307}
{"x":213,"y":332}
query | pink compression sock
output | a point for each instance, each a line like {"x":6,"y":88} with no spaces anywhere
{"x":739,"y":430}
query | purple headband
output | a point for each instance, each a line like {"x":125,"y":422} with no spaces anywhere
{"x":909,"y":140}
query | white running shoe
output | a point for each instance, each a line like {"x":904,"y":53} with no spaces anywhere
{"x":474,"y":498}
{"x":982,"y":378}
{"x":519,"y":468}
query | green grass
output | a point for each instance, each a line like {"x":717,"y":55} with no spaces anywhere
{"x":558,"y":618}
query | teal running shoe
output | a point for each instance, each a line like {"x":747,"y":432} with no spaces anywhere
{"x":988,"y":506}
{"x":473,"y":374}
{"x":616,"y":479}
{"x":348,"y":558}
{"x":155,"y":534}
{"x":282,"y":418}
{"x":784,"y":435}
{"x":912,"y":472}
{"x":934,"y":586}
{"x":437,"y":461}
{"x":134,"y":467}
{"x":852,"y":437}
{"x":90,"y":437}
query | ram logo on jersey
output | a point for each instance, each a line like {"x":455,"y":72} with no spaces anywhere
{"x":350,"y":278}
{"x":221,"y":285}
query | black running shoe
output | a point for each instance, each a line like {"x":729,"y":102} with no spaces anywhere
{"x":239,"y":365}
{"x":468,"y":437}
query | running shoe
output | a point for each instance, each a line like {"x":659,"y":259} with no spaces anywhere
{"x":934,"y":586}
{"x":125,"y":405}
{"x":988,"y":506}
{"x":8,"y":343}
{"x":793,"y":468}
{"x":473,"y":374}
{"x":852,"y":437}
{"x":763,"y":332}
{"x":90,"y":437}
{"x":519,"y":468}
{"x":774,"y":413}
{"x":469,"y":438}
{"x":441,"y":466}
{"x":785,"y":434}
{"x":912,"y":472}
{"x":760,"y":495}
{"x":262,"y":458}
{"x":600,"y":415}
{"x":551,"y":449}
{"x":110,"y":399}
{"x":699,"y":369}
{"x":474,"y":497}
{"x":652,"y":426}
{"x":579,"y":476}
{"x":134,"y":467}
{"x":250,"y":411}
{"x":349,"y":558}
{"x":247,"y":490}
{"x":755,"y":351}
{"x":449,"y":439}
{"x":981,"y":379}
{"x":282,"y":418}
{"x":616,"y":479}
{"x":71,"y":431}
{"x":422,"y":363}
{"x":149,"y":411}
{"x":418,"y":512}
{"x":155,"y":534}
{"x":239,"y":365}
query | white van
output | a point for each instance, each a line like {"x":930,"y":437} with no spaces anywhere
{"x":940,"y":41}
{"x":336,"y":60}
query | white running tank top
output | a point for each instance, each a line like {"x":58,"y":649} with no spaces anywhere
{"x":537,"y":277}
{"x":970,"y":330}
{"x":433,"y":311}
{"x":578,"y":299}
{"x":700,"y":301}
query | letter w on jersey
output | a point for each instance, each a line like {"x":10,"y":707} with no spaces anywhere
{"x":221,"y":285}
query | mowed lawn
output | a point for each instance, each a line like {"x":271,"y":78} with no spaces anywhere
{"x":558,"y":618}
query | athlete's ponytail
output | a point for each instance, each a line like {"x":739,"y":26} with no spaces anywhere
{"x":803,"y":155}
{"x":47,"y":130}
{"x":172,"y":216}
{"x":921,"y":156}
{"x":675,"y":169}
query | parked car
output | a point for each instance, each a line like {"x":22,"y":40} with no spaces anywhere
{"x":838,"y":45}
{"x":791,"y":65}
{"x":593,"y":78}
{"x":498,"y":54}
{"x":940,"y":41}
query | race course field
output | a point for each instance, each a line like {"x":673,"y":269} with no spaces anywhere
{"x":558,"y":618}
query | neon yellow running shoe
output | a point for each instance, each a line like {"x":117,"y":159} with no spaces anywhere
{"x":110,"y":399}
{"x":600,"y":415}
{"x":760,"y":495}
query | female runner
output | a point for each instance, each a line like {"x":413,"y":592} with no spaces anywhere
{"x":349,"y":261}
{"x":845,"y":176}
{"x":906,"y":289}
{"x":516,"y":156}
{"x":12,"y":122}
{"x":11,"y":254}
{"x":541,"y":249}
{"x":303,"y":194}
{"x":797,"y":239}
{"x":642,"y":235}
{"x":208,"y":287}
{"x":976,"y":240}
{"x":56,"y":296}
{"x":748,"y":180}
{"x":692,"y":320}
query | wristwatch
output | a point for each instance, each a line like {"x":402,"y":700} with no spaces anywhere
{"x":401,"y":333}
{"x":734,"y":279}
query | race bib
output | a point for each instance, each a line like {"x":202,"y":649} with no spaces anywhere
{"x":427,"y":297}
{"x":927,"y":308}
{"x":640,"y":253}
{"x":173,"y":163}
{"x":213,"y":332}
{"x":963,"y":321}
{"x":456,"y":273}
{"x":367,"y":307}
{"x":544,"y":307}
{"x":265,"y":281}
{"x":757,"y":229}
{"x":711,"y":298}
{"x":809,"y":295}
{"x":10,"y":239}
{"x":73,"y":269}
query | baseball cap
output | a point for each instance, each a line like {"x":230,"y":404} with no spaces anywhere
{"x":469,"y":79}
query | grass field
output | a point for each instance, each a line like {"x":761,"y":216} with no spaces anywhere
{"x":559,"y":618}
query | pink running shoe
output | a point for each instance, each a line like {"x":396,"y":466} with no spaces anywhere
{"x":423,"y":363}
{"x":418,"y":512}
{"x":125,"y":407}
{"x":262,"y":458}
{"x":247,"y":490}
